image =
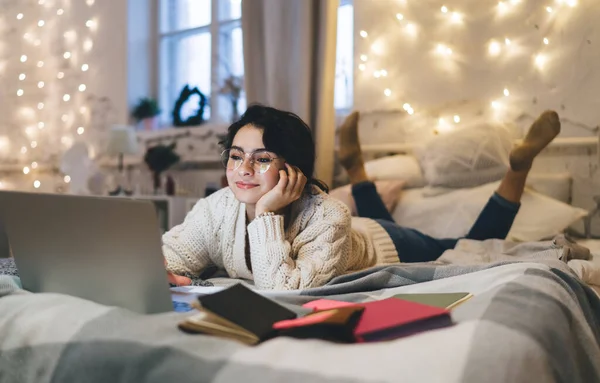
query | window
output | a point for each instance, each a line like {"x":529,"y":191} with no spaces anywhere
{"x":200,"y":46}
{"x":344,"y":68}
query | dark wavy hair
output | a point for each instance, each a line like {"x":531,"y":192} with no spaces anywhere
{"x":284,"y":134}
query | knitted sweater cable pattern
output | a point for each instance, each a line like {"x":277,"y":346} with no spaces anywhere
{"x":317,"y":245}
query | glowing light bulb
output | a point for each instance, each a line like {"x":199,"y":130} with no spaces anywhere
{"x":23,"y":58}
{"x":506,"y":92}
{"x":23,"y":150}
{"x":66,"y":97}
{"x":82,"y":87}
{"x":41,"y":125}
{"x":26,"y":170}
{"x":37,"y":184}
{"x":67,"y":179}
{"x":376,"y":74}
{"x":507,"y":41}
{"x":441,"y":121}
{"x":67,"y":55}
{"x":501,"y":6}
{"x":20,"y":92}
{"x":362,"y":67}
{"x":87,"y":45}
{"x":60,"y":11}
{"x":456,"y":17}
{"x":34,"y":165}
{"x":549,"y":9}
{"x":41,"y":2}
{"x":40,"y":64}
{"x":80,"y":130}
{"x":85,"y":67}
{"x":383,"y":72}
{"x":40,"y":106}
{"x":399,"y":16}
{"x":19,"y":16}
{"x":89,"y":23}
{"x":33,"y":144}
{"x":362,"y":58}
{"x":387,"y":92}
{"x":406,"y":106}
{"x":40,"y":84}
{"x":444,"y":9}
{"x":495,"y":105}
{"x":457,"y":118}
{"x":494,"y":48}
{"x":90,"y":2}
{"x":571,"y":3}
{"x":64,"y":118}
{"x":540,"y":61}
{"x":82,"y":109}
{"x":443,"y":50}
{"x":363,"y":34}
{"x":411,"y":29}
{"x":22,"y":76}
{"x":410,"y":111}
{"x":546,"y":41}
{"x":41,"y":23}
{"x":60,"y":75}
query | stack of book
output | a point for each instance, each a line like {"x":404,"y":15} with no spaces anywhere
{"x":239,"y":313}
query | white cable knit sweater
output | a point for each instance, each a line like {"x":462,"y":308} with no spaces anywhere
{"x":321,"y":242}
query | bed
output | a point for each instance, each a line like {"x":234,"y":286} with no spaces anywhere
{"x":534,"y":315}
{"x":531,"y":319}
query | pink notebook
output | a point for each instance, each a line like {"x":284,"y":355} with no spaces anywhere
{"x":390,"y":318}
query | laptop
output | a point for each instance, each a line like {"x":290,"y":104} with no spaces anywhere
{"x":104,"y":249}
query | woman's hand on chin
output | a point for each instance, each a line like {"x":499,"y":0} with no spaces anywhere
{"x":289,"y":188}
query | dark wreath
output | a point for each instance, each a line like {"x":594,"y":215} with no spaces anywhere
{"x":196,"y":119}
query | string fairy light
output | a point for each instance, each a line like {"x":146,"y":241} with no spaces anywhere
{"x":38,"y":83}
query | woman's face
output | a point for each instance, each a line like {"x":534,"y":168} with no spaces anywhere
{"x":250,"y":180}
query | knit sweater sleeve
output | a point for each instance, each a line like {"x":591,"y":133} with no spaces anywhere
{"x":317,"y":254}
{"x":185,"y":246}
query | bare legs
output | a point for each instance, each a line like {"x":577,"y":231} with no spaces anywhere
{"x":511,"y":188}
{"x":350,"y":154}
{"x":540,"y":134}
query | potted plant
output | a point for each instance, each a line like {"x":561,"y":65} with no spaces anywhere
{"x":146,"y":113}
{"x":158,"y":159}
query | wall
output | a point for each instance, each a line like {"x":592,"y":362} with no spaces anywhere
{"x":102,"y":45}
{"x":433,"y":60}
{"x":410,"y":56}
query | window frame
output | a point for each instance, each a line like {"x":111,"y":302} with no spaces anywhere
{"x":343,"y":111}
{"x":216,"y":72}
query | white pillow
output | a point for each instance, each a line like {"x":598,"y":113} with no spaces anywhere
{"x":467,"y":157}
{"x":451,"y":215}
{"x":399,"y":167}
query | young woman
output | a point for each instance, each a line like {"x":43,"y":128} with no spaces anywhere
{"x":276,"y":225}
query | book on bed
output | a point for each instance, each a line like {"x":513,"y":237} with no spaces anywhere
{"x":447,"y":301}
{"x":236,"y":312}
{"x":390,"y":318}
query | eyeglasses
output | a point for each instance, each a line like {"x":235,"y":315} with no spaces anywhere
{"x":260,"y":160}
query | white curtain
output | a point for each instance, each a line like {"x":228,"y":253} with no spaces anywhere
{"x":289,"y":59}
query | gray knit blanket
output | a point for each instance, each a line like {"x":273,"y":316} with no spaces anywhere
{"x":531,"y":320}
